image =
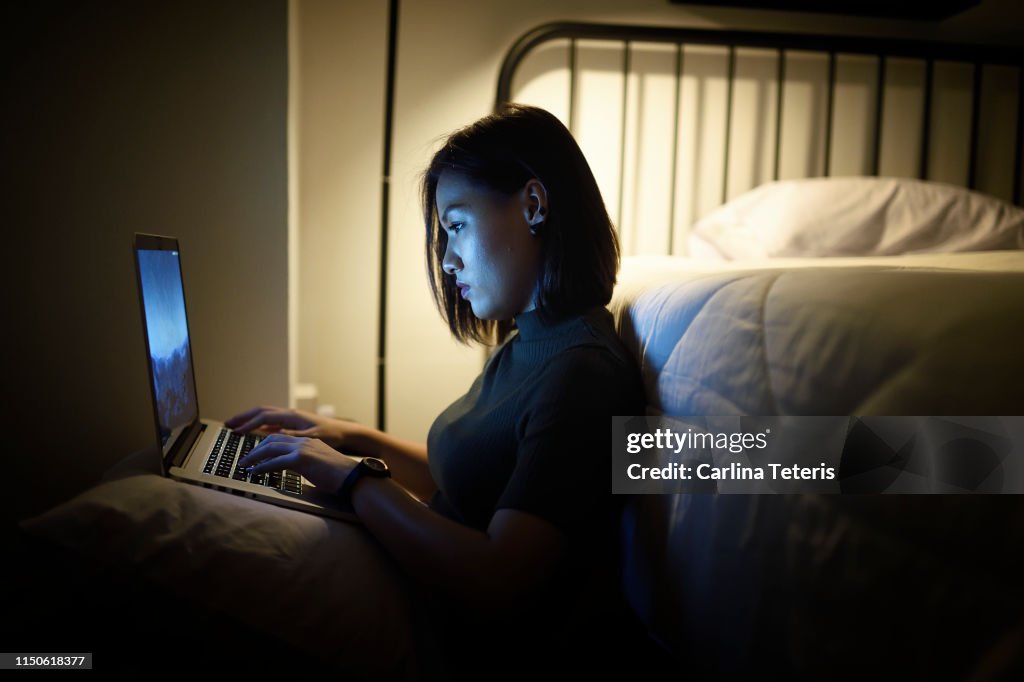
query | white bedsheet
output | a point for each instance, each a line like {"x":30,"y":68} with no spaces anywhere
{"x":733,"y":583}
{"x":920,"y":334}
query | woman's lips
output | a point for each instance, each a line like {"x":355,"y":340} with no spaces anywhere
{"x":463,"y":289}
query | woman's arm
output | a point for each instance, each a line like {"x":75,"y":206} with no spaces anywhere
{"x":407,"y":459}
{"x":496,"y":569}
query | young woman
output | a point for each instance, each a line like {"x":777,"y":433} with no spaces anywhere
{"x":521,"y":252}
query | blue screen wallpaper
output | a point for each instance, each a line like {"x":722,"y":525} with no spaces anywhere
{"x":166,"y":327}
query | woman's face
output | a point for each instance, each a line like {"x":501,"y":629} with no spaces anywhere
{"x":491,"y":253}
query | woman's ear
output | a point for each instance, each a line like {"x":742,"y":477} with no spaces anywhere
{"x":535,"y":204}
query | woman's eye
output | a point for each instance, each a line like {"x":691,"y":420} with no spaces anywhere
{"x":455,"y":228}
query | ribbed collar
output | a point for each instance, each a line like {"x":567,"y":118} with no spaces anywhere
{"x":532,"y":327}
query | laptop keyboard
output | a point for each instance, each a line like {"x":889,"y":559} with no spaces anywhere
{"x":231,"y":447}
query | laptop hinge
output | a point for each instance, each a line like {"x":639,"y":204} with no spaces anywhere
{"x":179,"y":451}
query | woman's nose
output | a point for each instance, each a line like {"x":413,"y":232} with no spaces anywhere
{"x":450,"y":263}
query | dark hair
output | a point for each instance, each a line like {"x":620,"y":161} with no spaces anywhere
{"x":580,"y":252}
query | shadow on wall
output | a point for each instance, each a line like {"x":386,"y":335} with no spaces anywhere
{"x":165,"y":117}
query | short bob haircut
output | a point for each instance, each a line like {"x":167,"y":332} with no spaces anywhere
{"x":580,"y":251}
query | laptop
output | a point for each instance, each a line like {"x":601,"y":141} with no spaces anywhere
{"x":194,"y":450}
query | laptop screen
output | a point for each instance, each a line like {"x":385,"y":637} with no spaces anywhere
{"x":163,"y":302}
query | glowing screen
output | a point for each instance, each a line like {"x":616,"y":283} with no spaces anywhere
{"x":164,"y":302}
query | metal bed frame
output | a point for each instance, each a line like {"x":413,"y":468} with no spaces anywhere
{"x":883,"y":49}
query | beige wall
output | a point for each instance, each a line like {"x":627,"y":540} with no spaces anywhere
{"x":340,"y":60}
{"x":448,"y":59}
{"x":164,"y":117}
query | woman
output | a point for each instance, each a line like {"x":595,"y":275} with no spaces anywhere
{"x":517,"y":470}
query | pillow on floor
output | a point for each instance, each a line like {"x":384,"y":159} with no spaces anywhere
{"x":324,"y":586}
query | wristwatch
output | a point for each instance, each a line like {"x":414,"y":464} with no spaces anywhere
{"x":368,"y":466}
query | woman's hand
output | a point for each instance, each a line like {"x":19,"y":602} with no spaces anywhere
{"x":289,"y":422}
{"x":321,"y":464}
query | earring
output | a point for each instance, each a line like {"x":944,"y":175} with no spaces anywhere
{"x":535,"y":226}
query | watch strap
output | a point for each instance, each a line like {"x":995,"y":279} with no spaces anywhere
{"x":361,"y":469}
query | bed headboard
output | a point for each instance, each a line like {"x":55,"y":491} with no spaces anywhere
{"x":676,"y":121}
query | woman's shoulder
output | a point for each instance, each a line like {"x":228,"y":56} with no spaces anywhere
{"x":596,"y":367}
{"x":601,"y":344}
{"x":591,"y":362}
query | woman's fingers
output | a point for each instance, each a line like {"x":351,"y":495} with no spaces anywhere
{"x":272,"y":420}
{"x":288,"y":460}
{"x":271,"y":447}
{"x":249,"y":414}
{"x":251,"y":425}
{"x":311,"y":457}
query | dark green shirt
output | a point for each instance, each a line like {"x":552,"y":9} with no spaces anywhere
{"x":534,"y":434}
{"x":534,"y":431}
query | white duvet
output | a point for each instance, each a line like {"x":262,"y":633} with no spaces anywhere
{"x":920,"y":334}
{"x":732,"y":582}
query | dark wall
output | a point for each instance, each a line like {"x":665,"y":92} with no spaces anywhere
{"x":162,"y":117}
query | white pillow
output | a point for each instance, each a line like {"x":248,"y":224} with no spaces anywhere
{"x":856,"y":216}
{"x":325,"y":586}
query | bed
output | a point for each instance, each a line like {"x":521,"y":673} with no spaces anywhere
{"x":762,"y":287}
{"x":808,"y":231}
{"x":835,"y":296}
{"x":784,"y":586}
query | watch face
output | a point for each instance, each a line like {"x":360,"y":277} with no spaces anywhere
{"x":375,"y":464}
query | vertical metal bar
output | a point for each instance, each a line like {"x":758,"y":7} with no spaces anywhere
{"x":1019,"y":142}
{"x":675,"y":150}
{"x":926,"y":120}
{"x":728,"y":121}
{"x":622,"y":141}
{"x":972,"y":163}
{"x":828,"y":111}
{"x":778,"y":112}
{"x":879,"y":104}
{"x":572,"y":85}
{"x":385,"y":185}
